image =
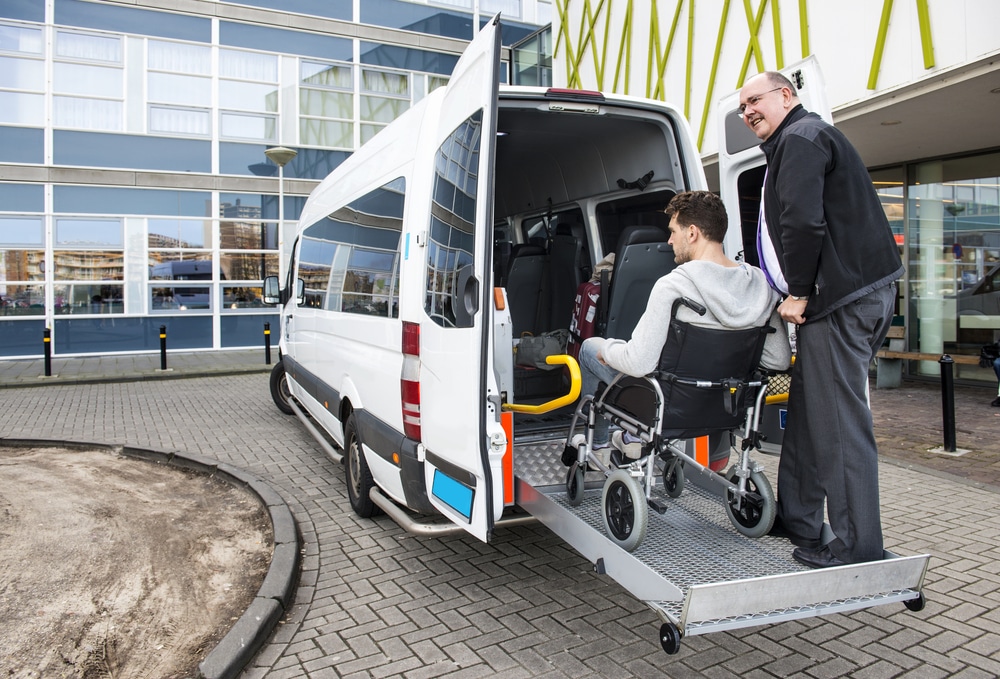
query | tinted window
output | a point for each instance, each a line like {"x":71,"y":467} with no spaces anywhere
{"x":452,"y":227}
{"x":418,"y":18}
{"x":349,"y":261}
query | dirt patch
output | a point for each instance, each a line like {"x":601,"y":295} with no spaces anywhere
{"x":114,"y":567}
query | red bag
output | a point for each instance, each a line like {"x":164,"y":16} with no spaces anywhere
{"x":584,"y":316}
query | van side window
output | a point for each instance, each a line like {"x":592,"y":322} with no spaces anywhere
{"x":453,"y":224}
{"x":350,"y":259}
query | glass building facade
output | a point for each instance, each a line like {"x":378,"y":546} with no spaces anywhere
{"x":134,"y":188}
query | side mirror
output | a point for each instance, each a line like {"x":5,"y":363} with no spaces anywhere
{"x":272,"y":290}
{"x":300,"y":291}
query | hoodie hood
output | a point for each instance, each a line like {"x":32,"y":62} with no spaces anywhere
{"x":734,"y":296}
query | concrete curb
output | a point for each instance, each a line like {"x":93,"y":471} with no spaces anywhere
{"x":181,"y":374}
{"x":276,"y":594}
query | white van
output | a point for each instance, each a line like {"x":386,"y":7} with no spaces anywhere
{"x":420,"y":263}
{"x":400,"y":345}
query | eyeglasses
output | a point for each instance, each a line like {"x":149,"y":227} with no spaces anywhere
{"x":754,"y":100}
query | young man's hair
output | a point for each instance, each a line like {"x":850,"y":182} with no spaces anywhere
{"x":704,"y":209}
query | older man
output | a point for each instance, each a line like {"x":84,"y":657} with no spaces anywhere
{"x":827,"y":248}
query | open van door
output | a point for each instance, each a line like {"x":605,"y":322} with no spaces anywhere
{"x":742,"y":164}
{"x":458,"y":422}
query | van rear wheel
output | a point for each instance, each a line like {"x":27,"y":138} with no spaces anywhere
{"x":280,"y":393}
{"x":359,"y":476}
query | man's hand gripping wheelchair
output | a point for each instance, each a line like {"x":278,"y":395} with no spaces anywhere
{"x":708,"y":383}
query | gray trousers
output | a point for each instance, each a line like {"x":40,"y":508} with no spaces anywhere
{"x":828,"y":451}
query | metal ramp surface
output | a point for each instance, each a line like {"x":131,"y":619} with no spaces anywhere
{"x":694,"y":569}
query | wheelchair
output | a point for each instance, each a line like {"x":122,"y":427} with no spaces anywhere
{"x":708,"y":382}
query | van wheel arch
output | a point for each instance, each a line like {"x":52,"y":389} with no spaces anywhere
{"x":357,"y":475}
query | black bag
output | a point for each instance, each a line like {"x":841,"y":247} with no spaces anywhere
{"x":988,"y":354}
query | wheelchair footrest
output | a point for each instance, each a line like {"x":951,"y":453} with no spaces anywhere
{"x":657,"y":507}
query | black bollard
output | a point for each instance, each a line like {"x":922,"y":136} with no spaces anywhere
{"x":47,"y":344}
{"x":267,"y":343}
{"x":948,"y":401}
{"x":163,"y":347}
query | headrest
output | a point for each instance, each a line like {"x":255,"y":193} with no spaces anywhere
{"x":526,"y":249}
{"x":640,"y":234}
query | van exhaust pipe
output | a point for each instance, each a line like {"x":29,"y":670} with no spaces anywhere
{"x":412,"y":525}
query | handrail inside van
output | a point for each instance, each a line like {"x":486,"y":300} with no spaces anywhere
{"x":548,"y":406}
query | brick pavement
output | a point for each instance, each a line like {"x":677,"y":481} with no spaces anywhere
{"x":374,"y":601}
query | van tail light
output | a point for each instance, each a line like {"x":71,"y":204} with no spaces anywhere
{"x":409,"y":381}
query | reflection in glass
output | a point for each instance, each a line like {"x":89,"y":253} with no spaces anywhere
{"x":179,"y":57}
{"x":235,"y":298}
{"x":326,"y":104}
{"x":248,"y":126}
{"x":91,"y":114}
{"x":20,"y":39}
{"x":83,"y":298}
{"x":329,"y":133}
{"x":88,"y":232}
{"x":89,"y":80}
{"x":179,"y":266}
{"x":248,"y":235}
{"x":22,"y":300}
{"x":22,"y":74}
{"x":248,"y":96}
{"x":21,"y":231}
{"x":248,"y":65}
{"x":21,"y":108}
{"x":89,"y":265}
{"x":953,"y":212}
{"x":326,"y":75}
{"x":181,"y":298}
{"x":187,"y":90}
{"x":248,"y":266}
{"x":22,"y":265}
{"x":179,"y":233}
{"x":170,"y":120}
{"x":452,"y":227}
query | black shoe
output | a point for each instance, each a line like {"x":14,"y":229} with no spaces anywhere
{"x":816,"y":558}
{"x":996,"y":402}
{"x":778,"y":530}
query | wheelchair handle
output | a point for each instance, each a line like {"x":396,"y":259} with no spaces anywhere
{"x":689,"y":303}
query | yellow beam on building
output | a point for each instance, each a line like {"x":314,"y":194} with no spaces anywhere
{"x":779,"y":52}
{"x":710,"y":91}
{"x":804,"y":29}
{"x":926,"y":45}
{"x":754,"y":26}
{"x":624,"y":49}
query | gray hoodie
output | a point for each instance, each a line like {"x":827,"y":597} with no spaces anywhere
{"x":736,"y":298}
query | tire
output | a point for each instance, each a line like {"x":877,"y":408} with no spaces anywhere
{"x":357,"y":474}
{"x":753,"y":517}
{"x":670,"y":638}
{"x":574,"y":485}
{"x":915,"y":604}
{"x":624,"y":510}
{"x":280,"y":393}
{"x":673,"y":477}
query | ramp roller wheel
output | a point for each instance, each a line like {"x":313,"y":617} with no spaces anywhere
{"x":673,"y":477}
{"x":916,"y":604}
{"x":752,"y":515}
{"x":574,"y":485}
{"x":670,"y":638}
{"x":624,"y":510}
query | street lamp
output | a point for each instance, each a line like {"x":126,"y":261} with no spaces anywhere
{"x":280,"y":156}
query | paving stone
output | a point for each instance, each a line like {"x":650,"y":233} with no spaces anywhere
{"x":527,"y":605}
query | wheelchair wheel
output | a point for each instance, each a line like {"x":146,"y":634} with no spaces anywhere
{"x":574,"y":485}
{"x":754,"y":516}
{"x":673,"y":477}
{"x":624,"y":510}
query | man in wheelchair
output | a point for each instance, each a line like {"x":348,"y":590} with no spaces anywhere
{"x":694,"y":365}
{"x":735,"y":296}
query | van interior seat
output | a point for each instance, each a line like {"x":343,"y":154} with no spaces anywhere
{"x":568,"y":267}
{"x":642,"y":257}
{"x":527,"y":286}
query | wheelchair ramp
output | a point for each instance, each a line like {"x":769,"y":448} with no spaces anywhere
{"x":694,"y":568}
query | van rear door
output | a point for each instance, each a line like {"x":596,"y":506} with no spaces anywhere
{"x":741,"y":162}
{"x":457,"y":420}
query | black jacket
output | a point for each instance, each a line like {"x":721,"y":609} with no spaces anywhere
{"x":826,"y":222}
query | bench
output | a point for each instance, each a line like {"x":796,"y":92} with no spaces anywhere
{"x":890,"y":359}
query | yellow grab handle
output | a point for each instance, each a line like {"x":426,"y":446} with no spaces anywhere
{"x":574,"y":389}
